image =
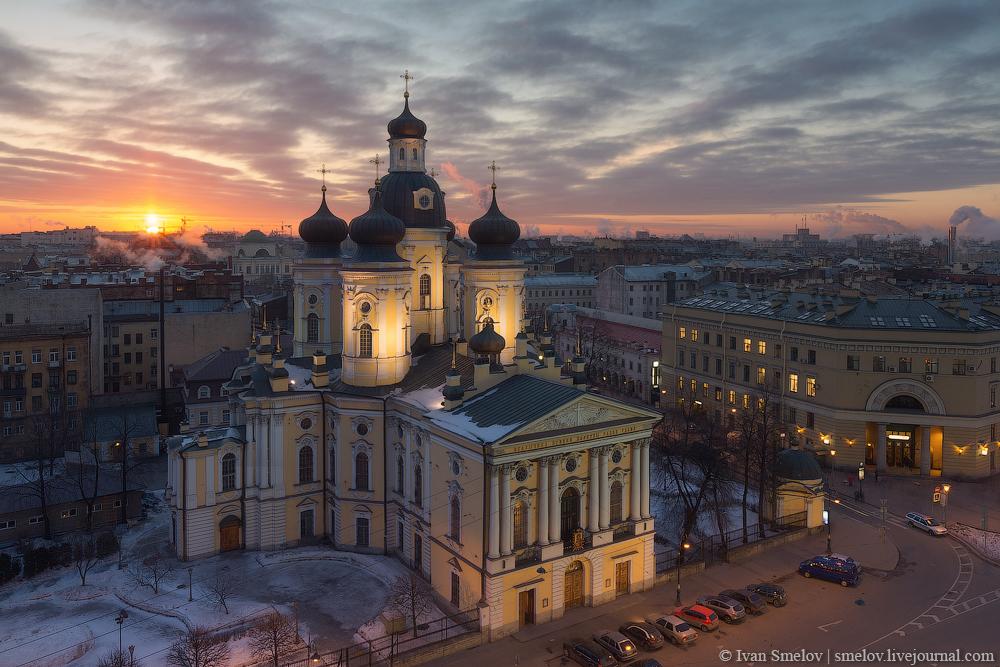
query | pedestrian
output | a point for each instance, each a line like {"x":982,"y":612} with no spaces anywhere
{"x":876,"y":474}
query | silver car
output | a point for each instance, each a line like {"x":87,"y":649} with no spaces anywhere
{"x":620,"y":646}
{"x":674,"y":629}
{"x":729,"y":610}
{"x":926,"y":523}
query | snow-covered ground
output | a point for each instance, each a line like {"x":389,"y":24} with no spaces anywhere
{"x":50,"y":620}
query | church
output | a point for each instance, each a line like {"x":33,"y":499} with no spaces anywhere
{"x":418,"y":416}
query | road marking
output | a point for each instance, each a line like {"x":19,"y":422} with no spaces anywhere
{"x":828,"y":625}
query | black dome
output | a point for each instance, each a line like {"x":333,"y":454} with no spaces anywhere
{"x":376,"y":233}
{"x":797,"y":464}
{"x":451,"y":230}
{"x":487,"y":341}
{"x":406,"y":125}
{"x":397,"y":196}
{"x":323,"y":231}
{"x":494,"y":233}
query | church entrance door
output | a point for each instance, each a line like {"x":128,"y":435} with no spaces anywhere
{"x":229,"y":534}
{"x":574,"y":585}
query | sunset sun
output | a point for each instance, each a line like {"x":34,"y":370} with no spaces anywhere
{"x":153,"y":225}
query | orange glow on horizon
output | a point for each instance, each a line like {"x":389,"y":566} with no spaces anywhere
{"x":153,"y":225}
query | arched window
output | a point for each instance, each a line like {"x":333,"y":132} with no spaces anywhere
{"x":332,"y":475}
{"x":616,"y":502}
{"x":425,"y":292}
{"x":456,"y":518}
{"x":361,"y":471}
{"x":305,"y":464}
{"x":399,"y":474}
{"x":204,"y":392}
{"x":229,"y":472}
{"x":418,"y":487}
{"x":312,"y":328}
{"x":414,"y":153}
{"x":520,"y":525}
{"x":365,"y":341}
{"x":402,"y":154}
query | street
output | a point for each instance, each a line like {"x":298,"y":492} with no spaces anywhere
{"x":917,"y":592}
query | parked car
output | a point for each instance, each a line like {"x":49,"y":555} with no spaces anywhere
{"x":648,"y":662}
{"x":675,"y":629}
{"x":837,"y":570}
{"x":846,"y":559}
{"x":773,"y":593}
{"x":926,"y":523}
{"x":728,"y":610}
{"x":699,"y":616}
{"x":752,"y":602}
{"x":588,"y":653}
{"x":645,"y":635}
{"x":621,"y":647}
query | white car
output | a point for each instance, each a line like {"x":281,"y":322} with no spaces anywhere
{"x":674,"y":629}
{"x":926,"y":523}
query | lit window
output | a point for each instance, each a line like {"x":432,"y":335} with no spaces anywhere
{"x":762,"y":347}
{"x":694,"y":335}
{"x":425,"y":292}
{"x":732,"y":397}
{"x":365,"y":341}
{"x":682,"y":333}
{"x":810,"y":386}
{"x":761,"y":375}
{"x":793,"y":382}
{"x":746,"y":344}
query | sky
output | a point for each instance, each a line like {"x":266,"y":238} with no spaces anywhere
{"x":717,"y":118}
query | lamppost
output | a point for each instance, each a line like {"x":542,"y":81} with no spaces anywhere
{"x":861,"y":481}
{"x":833,"y":462}
{"x":680,"y":561}
{"x":120,"y":620}
{"x":944,"y":500}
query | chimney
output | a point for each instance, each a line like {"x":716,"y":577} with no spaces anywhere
{"x":202,"y":440}
{"x":463,"y":347}
{"x":264,"y":349}
{"x":521,"y":358}
{"x":320,"y":373}
{"x":453,"y":392}
{"x":279,"y":376}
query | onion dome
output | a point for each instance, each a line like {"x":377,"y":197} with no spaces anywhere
{"x":487,"y":342}
{"x":797,"y":465}
{"x":451,"y":230}
{"x":494,"y":233}
{"x":406,"y":125}
{"x":398,"y":188}
{"x":376,"y":233}
{"x":323,"y":231}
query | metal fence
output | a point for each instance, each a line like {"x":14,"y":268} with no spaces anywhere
{"x":387,"y":648}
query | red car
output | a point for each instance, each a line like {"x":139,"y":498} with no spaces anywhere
{"x":699,"y":616}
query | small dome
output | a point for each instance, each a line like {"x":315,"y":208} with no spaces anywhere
{"x":397,"y":188}
{"x":487,"y":342}
{"x":323,"y":231}
{"x":406,"y":125}
{"x":494,"y":233}
{"x":376,"y":233}
{"x":797,"y":464}
{"x":451,"y":230}
{"x":254,"y":236}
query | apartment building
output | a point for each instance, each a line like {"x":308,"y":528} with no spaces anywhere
{"x":540,"y":292}
{"x":897,"y":384}
{"x":643,"y":291}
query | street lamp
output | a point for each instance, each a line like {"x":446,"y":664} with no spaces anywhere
{"x":120,"y":620}
{"x":861,"y":481}
{"x":833,"y":461}
{"x":680,"y":561}
{"x":944,"y":500}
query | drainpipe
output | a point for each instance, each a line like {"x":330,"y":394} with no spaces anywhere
{"x":243,"y":495}
{"x":183,"y":499}
{"x":322,"y":449}
{"x":385,"y":482}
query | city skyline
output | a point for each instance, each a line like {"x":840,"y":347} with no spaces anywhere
{"x":672,"y":119}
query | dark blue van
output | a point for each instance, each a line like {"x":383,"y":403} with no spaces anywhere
{"x":837,"y":570}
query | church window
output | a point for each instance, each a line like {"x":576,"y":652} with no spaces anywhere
{"x":456,"y":519}
{"x":399,"y":474}
{"x":520,"y":525}
{"x":313,"y":299}
{"x":229,"y":472}
{"x":402,"y":154}
{"x":361,"y":471}
{"x":616,"y":502}
{"x":425,"y":292}
{"x":418,"y":487}
{"x":365,"y":341}
{"x":365,"y":308}
{"x":312,"y":328}
{"x":414,"y":153}
{"x":305,"y":464}
{"x":361,"y":536}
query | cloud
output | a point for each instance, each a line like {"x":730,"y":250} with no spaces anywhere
{"x":478,"y":191}
{"x":975,"y":223}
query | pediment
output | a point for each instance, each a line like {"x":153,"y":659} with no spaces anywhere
{"x":586,"y":412}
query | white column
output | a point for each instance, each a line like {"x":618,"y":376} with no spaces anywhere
{"x":408,"y":467}
{"x":644,"y":477}
{"x":543,"y":502}
{"x":425,"y":485}
{"x":880,"y":452}
{"x":554,"y":514}
{"x":635,"y":483}
{"x":505,"y":528}
{"x":594,"y":492}
{"x":925,"y":450}
{"x":494,"y":517}
{"x":605,"y":490}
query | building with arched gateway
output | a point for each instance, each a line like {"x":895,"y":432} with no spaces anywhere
{"x":903,"y":386}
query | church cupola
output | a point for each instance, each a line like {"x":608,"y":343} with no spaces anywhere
{"x":377,"y":232}
{"x":323,"y":231}
{"x":494,"y":233}
{"x":406,"y":136}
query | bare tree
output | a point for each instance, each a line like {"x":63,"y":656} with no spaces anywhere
{"x":125,"y":425}
{"x":410,"y":596}
{"x":274,"y":636}
{"x":118,"y":658}
{"x":85,"y":476}
{"x":84,"y":549}
{"x":222,"y":589}
{"x":151,"y":571}
{"x":198,"y":648}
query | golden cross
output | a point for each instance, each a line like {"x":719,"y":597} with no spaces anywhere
{"x":494,"y":168}
{"x":377,"y":160}
{"x":434,"y":172}
{"x":405,"y":76}
{"x":323,"y":170}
